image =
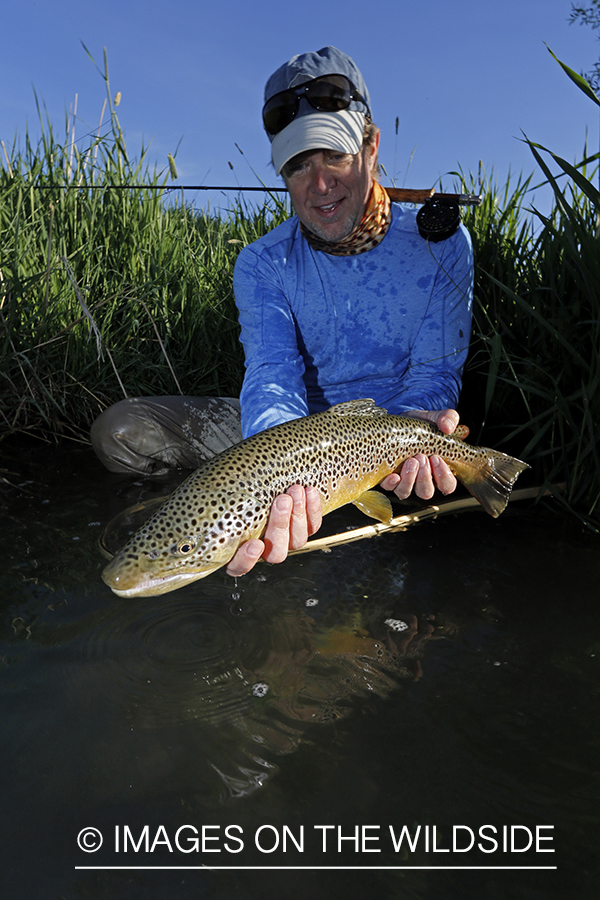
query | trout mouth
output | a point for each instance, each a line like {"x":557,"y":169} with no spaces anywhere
{"x":152,"y":586}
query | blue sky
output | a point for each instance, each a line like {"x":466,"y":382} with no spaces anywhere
{"x":464,"y":78}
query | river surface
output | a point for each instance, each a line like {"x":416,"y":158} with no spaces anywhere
{"x":413,"y":716}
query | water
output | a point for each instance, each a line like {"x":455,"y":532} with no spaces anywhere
{"x":301,"y":716}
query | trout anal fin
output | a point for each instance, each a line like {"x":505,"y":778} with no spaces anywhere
{"x":376,"y":505}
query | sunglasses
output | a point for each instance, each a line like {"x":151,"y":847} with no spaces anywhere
{"x":328,"y":93}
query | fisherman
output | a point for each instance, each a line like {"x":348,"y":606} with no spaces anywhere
{"x":344,"y":300}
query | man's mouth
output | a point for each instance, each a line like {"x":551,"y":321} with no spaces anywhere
{"x":328,"y":209}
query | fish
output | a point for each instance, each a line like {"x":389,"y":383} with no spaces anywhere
{"x":344,"y":452}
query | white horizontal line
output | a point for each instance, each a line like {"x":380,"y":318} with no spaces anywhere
{"x":318,"y":868}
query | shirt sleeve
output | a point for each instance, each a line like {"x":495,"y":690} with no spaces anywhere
{"x":439,"y":350}
{"x":273,"y":390}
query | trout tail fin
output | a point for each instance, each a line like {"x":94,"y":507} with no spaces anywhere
{"x":489,"y":478}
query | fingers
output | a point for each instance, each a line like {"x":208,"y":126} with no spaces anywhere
{"x":419,"y":473}
{"x":313,"y":510}
{"x":245,"y":558}
{"x":294,"y":516}
{"x":424,"y":487}
{"x":404,"y":480}
{"x":445,"y":419}
{"x":442,"y":475}
{"x":416,"y":475}
{"x":390,"y":481}
{"x":423,"y":475}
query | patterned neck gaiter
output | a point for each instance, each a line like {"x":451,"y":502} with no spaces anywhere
{"x":368,"y":233}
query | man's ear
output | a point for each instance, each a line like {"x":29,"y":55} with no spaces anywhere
{"x":373,"y":151}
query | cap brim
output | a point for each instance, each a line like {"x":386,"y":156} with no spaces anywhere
{"x":341,"y":131}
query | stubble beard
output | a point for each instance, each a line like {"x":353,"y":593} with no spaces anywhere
{"x":344,"y":227}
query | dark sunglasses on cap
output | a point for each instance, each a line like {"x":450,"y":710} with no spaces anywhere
{"x":327,"y":93}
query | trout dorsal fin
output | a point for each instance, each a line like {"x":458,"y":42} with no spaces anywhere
{"x":364,"y":407}
{"x":461,"y":433}
{"x":376,"y":505}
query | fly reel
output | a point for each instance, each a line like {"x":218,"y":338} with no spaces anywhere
{"x":438,"y":219}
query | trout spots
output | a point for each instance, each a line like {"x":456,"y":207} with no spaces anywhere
{"x":343,"y":453}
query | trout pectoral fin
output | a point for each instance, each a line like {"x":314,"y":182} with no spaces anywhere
{"x":376,"y":505}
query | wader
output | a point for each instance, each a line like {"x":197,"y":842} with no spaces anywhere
{"x":150,"y":435}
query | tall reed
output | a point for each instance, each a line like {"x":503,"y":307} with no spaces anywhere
{"x":534,"y":369}
{"x":108,"y":289}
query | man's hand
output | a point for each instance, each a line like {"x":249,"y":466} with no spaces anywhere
{"x":294,"y":516}
{"x":422,"y":473}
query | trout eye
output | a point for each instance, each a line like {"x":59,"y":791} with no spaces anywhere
{"x":184,"y":547}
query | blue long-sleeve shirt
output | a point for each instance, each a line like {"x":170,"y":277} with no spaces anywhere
{"x":392,"y":323}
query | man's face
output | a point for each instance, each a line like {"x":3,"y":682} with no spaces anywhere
{"x":329,"y":190}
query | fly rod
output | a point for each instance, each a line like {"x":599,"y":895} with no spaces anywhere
{"x":399,"y":195}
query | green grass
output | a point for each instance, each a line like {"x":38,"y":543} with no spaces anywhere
{"x":533,"y":375}
{"x":107,"y":290}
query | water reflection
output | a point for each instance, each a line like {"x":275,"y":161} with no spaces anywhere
{"x":253,"y":666}
{"x":255,"y":669}
{"x":445,"y":675}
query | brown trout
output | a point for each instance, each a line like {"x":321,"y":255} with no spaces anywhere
{"x":343,"y":452}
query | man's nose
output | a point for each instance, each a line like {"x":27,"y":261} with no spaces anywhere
{"x":322,"y":180}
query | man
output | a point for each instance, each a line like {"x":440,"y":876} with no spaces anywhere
{"x":343,"y":301}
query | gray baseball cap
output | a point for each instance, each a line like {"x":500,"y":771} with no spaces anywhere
{"x":311,"y":129}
